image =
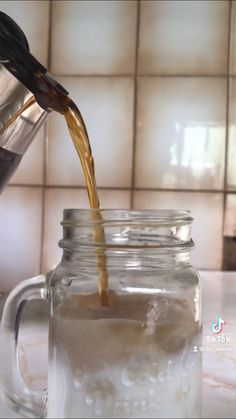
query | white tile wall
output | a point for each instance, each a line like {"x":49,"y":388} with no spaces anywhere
{"x":93,"y":37}
{"x":21,"y":227}
{"x":183,"y":37}
{"x":181,"y":133}
{"x":33,"y":17}
{"x":170,"y":126}
{"x":107,"y":108}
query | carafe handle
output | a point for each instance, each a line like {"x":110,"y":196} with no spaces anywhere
{"x":14,"y":390}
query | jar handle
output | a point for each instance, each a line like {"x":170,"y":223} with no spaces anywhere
{"x":15,"y":391}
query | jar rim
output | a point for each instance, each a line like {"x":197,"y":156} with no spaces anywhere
{"x":126,"y":229}
{"x":73,"y":216}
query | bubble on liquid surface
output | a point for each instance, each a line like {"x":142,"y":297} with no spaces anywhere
{"x":66,"y":282}
{"x":89,"y":399}
{"x":45,"y":396}
{"x":152,"y":317}
{"x":59,"y":295}
{"x":77,"y":383}
{"x":78,"y":380}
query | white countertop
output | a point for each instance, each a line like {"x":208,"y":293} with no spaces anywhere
{"x":219,"y":365}
{"x":219,"y":358}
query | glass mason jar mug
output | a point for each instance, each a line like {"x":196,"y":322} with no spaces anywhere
{"x":124,"y":322}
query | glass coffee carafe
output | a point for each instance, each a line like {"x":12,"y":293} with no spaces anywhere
{"x":132,"y":356}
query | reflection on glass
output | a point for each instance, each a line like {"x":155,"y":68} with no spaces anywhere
{"x":198,"y":149}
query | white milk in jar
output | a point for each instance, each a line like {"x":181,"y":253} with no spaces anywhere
{"x":119,"y":366}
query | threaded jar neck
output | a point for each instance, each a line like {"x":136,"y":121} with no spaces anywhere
{"x":125,"y":236}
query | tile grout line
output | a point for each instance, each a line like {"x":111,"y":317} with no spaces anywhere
{"x":135,"y":105}
{"x":45,"y":146}
{"x":227,"y":97}
{"x":50,"y":36}
{"x":141,"y":76}
{"x":123,"y":188}
{"x":227,"y":121}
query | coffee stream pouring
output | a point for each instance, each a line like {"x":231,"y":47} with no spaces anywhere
{"x":28,"y":94}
